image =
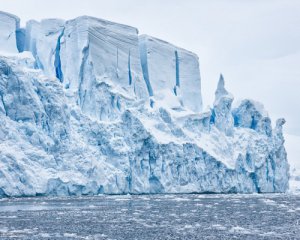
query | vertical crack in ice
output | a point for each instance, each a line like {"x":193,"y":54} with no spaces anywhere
{"x":129,"y":177}
{"x":20,"y":39}
{"x":33,"y":49}
{"x":129,"y":70}
{"x":9,"y":35}
{"x":38,"y":64}
{"x":177,"y":69}
{"x":268,"y":177}
{"x":255,"y":181}
{"x":85,"y":53}
{"x":57,"y":61}
{"x":4,"y":106}
{"x":144,"y":63}
{"x":117,"y":70}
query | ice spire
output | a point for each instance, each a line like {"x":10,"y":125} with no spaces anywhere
{"x":278,"y":129}
{"x":221,"y":91}
{"x":221,"y":86}
{"x":222,"y":108}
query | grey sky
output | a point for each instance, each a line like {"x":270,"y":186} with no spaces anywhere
{"x":254,"y":43}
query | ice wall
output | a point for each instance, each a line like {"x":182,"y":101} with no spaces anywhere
{"x":169,"y":70}
{"x":9,"y":24}
{"x":251,"y":114}
{"x":95,"y":55}
{"x":111,"y":48}
{"x":43,"y":40}
{"x":75,"y":118}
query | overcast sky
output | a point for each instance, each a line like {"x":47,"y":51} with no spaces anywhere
{"x":254,"y":43}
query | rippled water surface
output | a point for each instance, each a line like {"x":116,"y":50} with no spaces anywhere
{"x":152,"y":217}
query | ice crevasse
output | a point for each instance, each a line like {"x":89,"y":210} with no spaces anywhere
{"x":88,"y":106}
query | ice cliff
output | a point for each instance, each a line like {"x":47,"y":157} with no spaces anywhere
{"x":172,"y":74}
{"x":10,"y":25}
{"x":88,"y":106}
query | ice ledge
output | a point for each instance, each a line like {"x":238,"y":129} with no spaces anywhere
{"x":164,"y":42}
{"x":104,"y":22}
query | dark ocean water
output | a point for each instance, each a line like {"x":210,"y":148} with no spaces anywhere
{"x":152,"y":217}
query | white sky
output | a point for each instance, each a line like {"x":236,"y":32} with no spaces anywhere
{"x":254,"y":43}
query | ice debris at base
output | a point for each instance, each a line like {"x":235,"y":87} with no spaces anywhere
{"x":88,"y":106}
{"x":292,"y":146}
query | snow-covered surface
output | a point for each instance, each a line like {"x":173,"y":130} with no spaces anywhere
{"x":292,"y":143}
{"x":76,"y":119}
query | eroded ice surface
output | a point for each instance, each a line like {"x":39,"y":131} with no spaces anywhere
{"x":78,"y":117}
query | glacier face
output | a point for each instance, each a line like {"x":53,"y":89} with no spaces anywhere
{"x":91,"y":107}
{"x":41,"y":39}
{"x":96,"y":57}
{"x":10,"y":24}
{"x":172,"y":74}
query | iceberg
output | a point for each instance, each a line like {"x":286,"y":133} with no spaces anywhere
{"x":89,"y":107}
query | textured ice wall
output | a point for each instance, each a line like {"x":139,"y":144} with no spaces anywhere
{"x":171,"y":71}
{"x":49,"y":146}
{"x":9,"y":24}
{"x":43,"y":40}
{"x":82,"y":126}
{"x":95,"y":55}
{"x":251,"y":114}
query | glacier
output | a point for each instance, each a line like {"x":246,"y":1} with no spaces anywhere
{"x":88,"y":106}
